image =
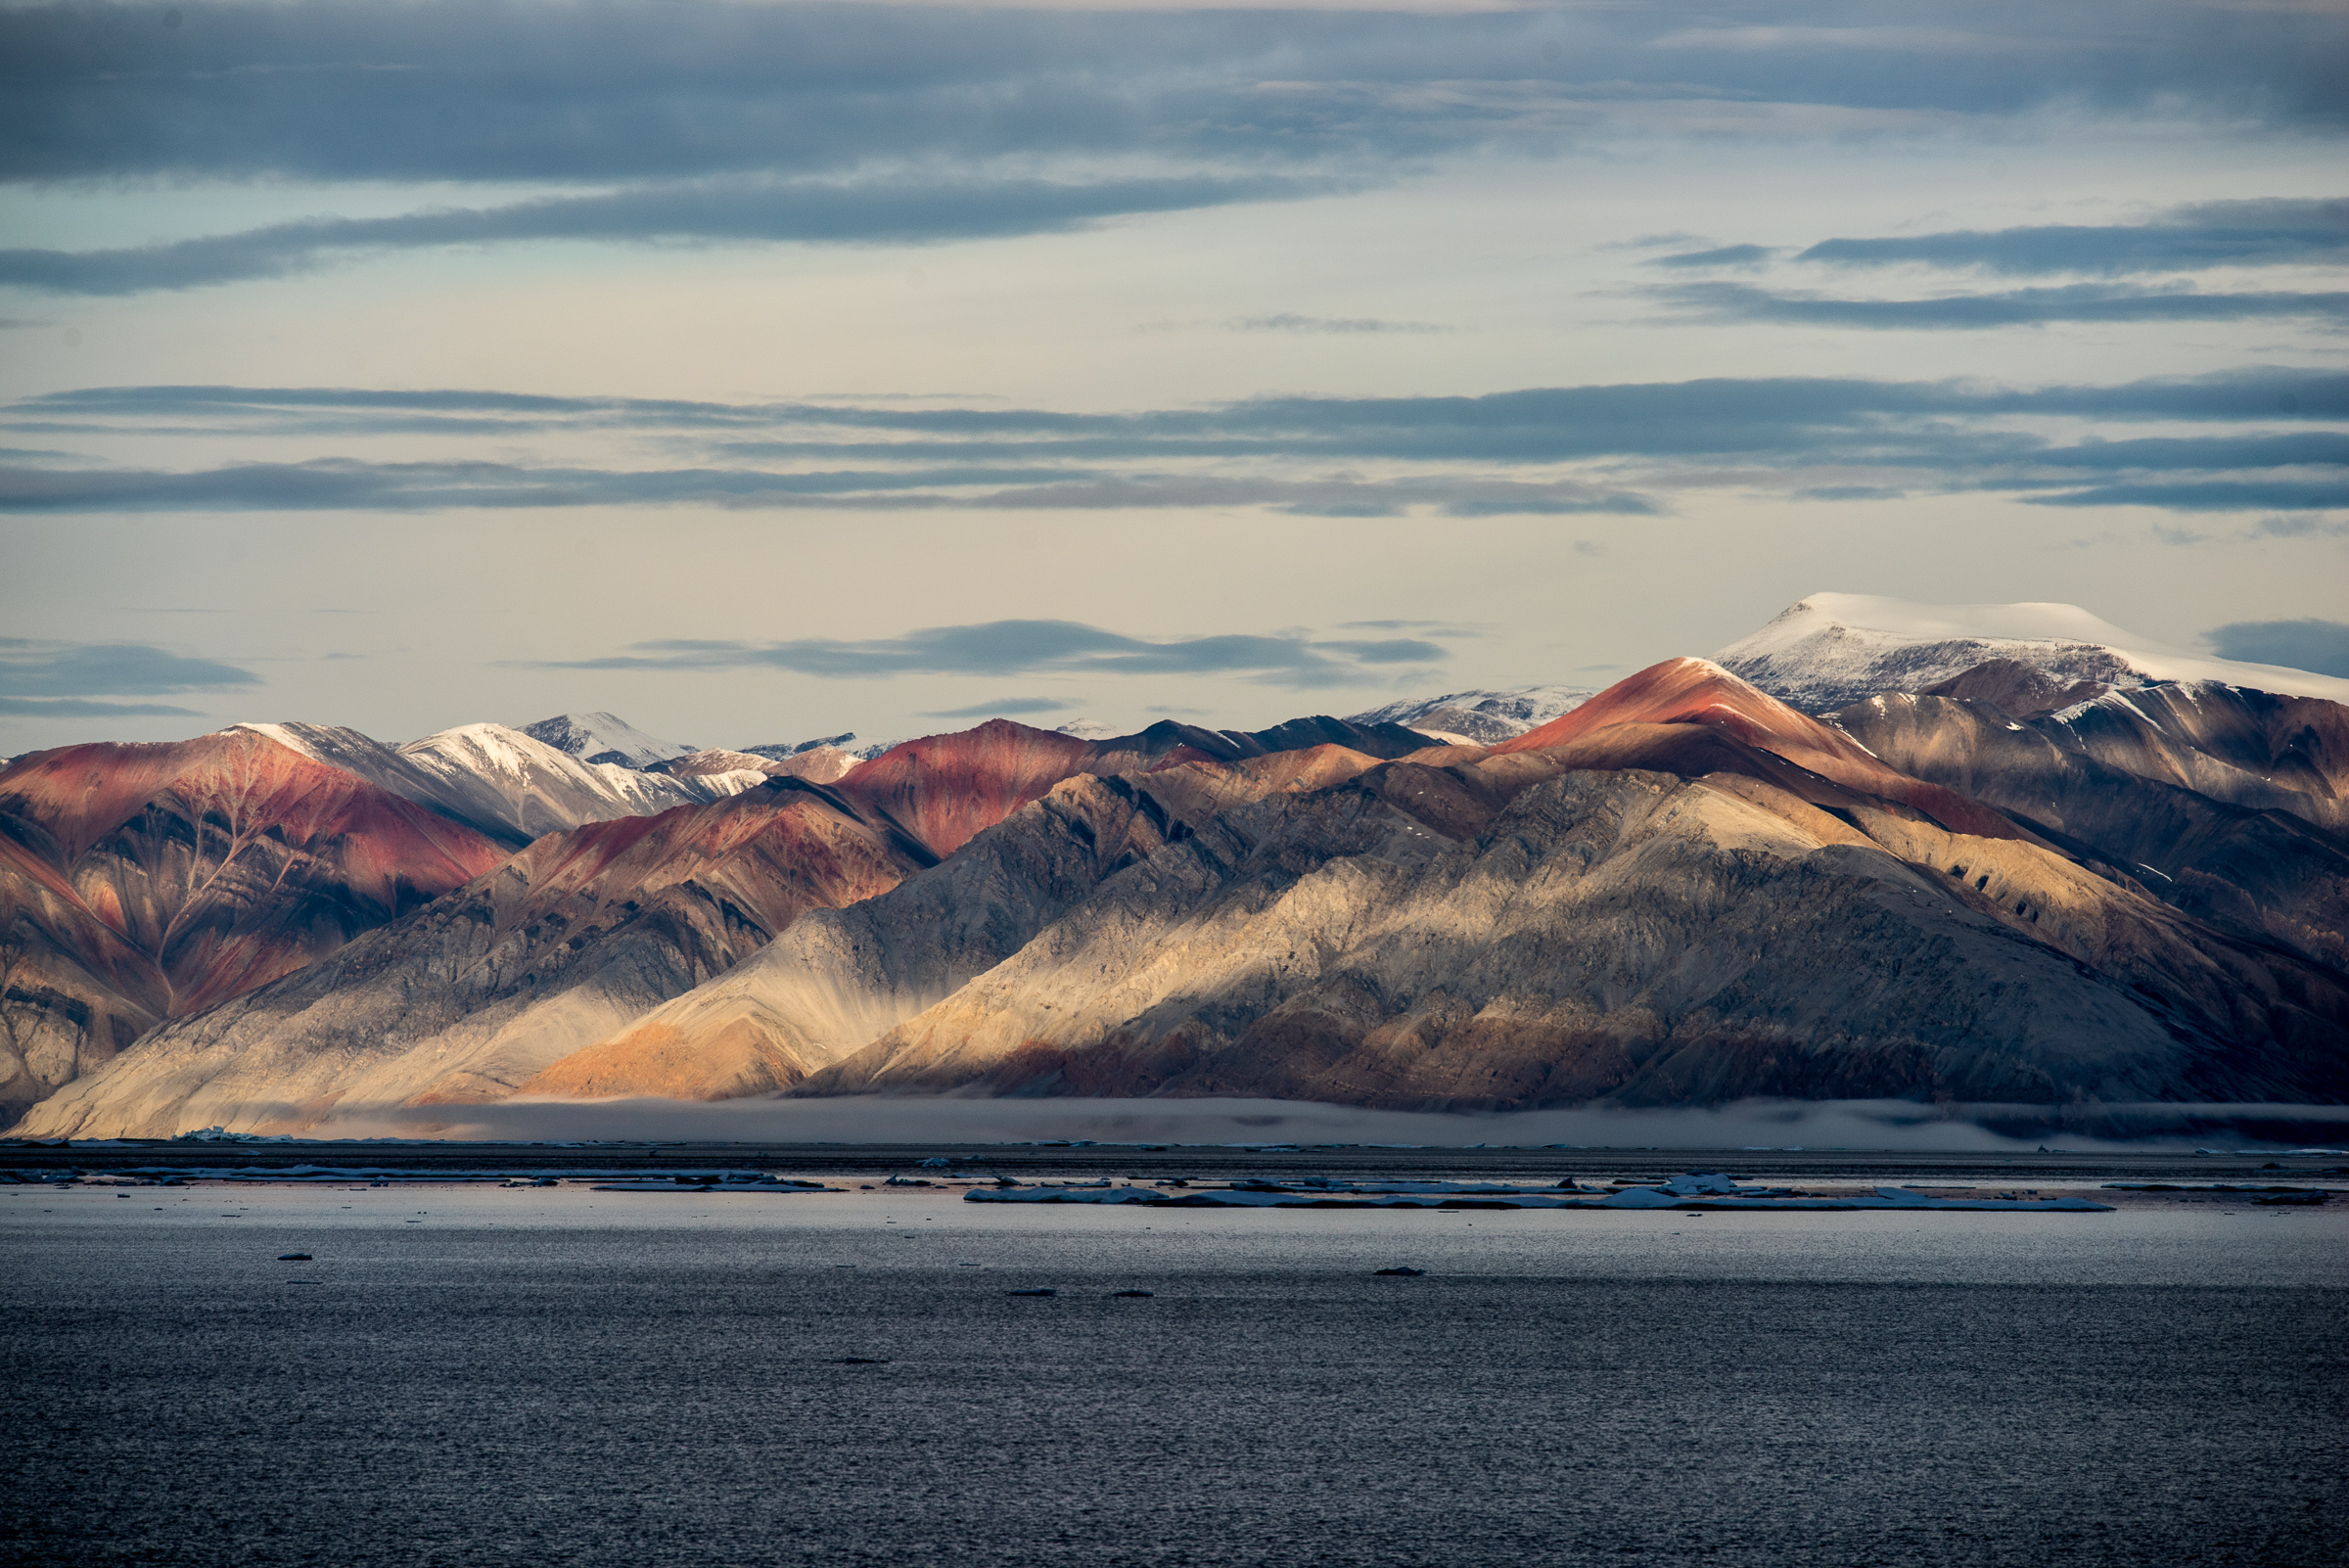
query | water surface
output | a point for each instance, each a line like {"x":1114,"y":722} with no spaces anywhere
{"x":487,"y":1376}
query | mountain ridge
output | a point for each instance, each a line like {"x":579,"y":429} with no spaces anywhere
{"x":2021,"y":879}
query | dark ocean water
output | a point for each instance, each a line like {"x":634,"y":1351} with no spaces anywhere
{"x":590,"y":1379}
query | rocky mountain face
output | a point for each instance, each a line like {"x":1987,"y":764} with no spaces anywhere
{"x":140,"y":884}
{"x":603,"y":738}
{"x":1830,"y":650}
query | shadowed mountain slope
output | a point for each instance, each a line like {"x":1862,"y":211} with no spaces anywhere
{"x":1628,"y":935}
{"x":2223,"y":802}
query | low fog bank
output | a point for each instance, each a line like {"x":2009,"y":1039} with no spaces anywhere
{"x":1888,"y":1125}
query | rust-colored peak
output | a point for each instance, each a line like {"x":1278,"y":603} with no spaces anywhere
{"x":1690,"y":691}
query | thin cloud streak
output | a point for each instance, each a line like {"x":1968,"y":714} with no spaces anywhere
{"x":1029,"y":648}
{"x":2019,"y":307}
{"x":1342,"y":325}
{"x":2263,"y":232}
{"x":817,"y":214}
{"x":83,"y":708}
{"x":1004,"y":708}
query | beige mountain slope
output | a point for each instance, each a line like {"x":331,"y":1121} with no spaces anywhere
{"x":838,"y":979}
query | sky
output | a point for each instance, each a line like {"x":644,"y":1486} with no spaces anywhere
{"x":760,"y":372}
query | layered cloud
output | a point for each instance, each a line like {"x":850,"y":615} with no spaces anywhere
{"x":639,"y":89}
{"x":2198,"y":238}
{"x":1033,"y":648}
{"x":698,"y":120}
{"x":2271,"y":440}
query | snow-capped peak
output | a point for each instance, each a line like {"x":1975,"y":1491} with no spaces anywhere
{"x":603,"y":738}
{"x":1830,"y":650}
{"x":1481,"y":717}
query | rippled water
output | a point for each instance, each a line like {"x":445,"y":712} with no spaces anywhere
{"x":483,"y":1376}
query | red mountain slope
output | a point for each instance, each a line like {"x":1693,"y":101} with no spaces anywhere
{"x":942,"y":789}
{"x":144,"y":882}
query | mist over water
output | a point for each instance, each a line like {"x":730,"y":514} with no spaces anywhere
{"x":473,"y":1377}
{"x":1892,"y":1125}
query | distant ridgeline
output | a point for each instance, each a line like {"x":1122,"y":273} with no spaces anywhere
{"x":1976,"y":856}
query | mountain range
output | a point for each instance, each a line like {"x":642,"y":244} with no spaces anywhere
{"x":1998,"y":856}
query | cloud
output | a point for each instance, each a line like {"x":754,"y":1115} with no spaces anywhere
{"x":635,"y":92}
{"x":2298,"y":526}
{"x":1326,"y":324}
{"x":1500,"y":454}
{"x":30,"y":669}
{"x":1723,"y":256}
{"x":2322,"y":646}
{"x":1033,"y":647}
{"x":1449,"y":631}
{"x":2267,"y":232}
{"x":1535,"y":423}
{"x":342,"y":485}
{"x":1005,"y":707}
{"x":83,"y":708}
{"x":810,"y":214}
{"x":1849,"y":492}
{"x":2220,"y":495}
{"x":2017,"y":308}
